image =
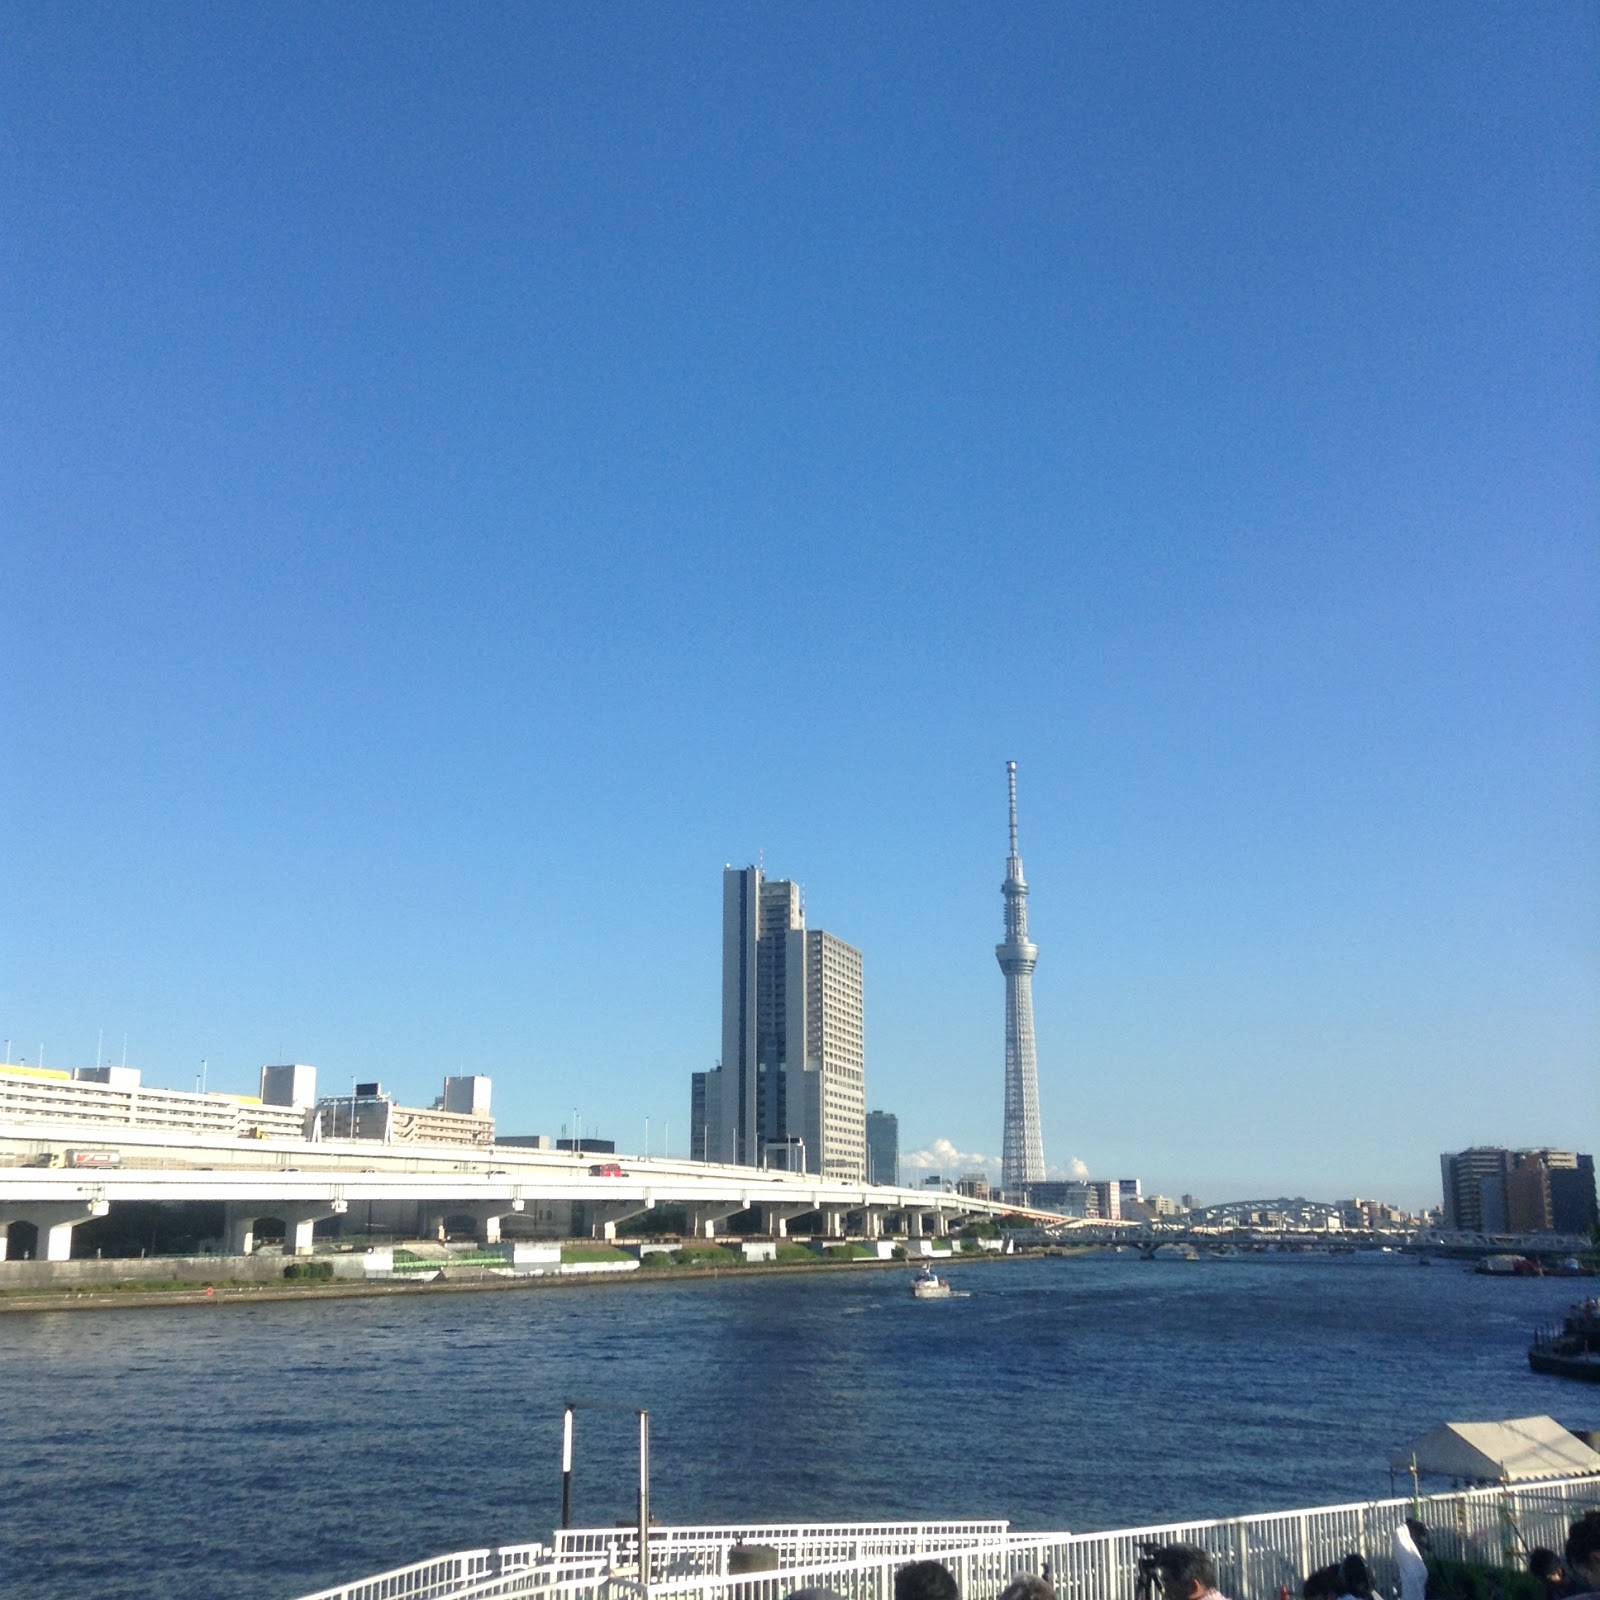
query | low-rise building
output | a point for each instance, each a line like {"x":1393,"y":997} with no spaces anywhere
{"x":111,"y":1097}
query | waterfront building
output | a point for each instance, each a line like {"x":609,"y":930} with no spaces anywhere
{"x":1466,"y":1175}
{"x":790,"y":1089}
{"x":287,"y":1107}
{"x":835,"y":1077}
{"x":116,"y":1097}
{"x":1072,"y":1198}
{"x":1108,"y":1199}
{"x":1550,"y":1191}
{"x":368,"y":1112}
{"x":1022,"y":1147}
{"x":292,"y":1084}
{"x":1369,"y":1214}
{"x":1490,"y":1189}
{"x":883,"y":1147}
{"x":1573,"y":1207}
{"x":466,"y":1096}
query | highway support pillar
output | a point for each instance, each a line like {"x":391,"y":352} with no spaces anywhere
{"x":602,"y":1216}
{"x":55,"y":1220}
{"x":777,"y":1218}
{"x":833,"y":1221}
{"x":239,"y":1229}
{"x":486,"y":1218}
{"x":299,"y":1223}
{"x":703,"y":1220}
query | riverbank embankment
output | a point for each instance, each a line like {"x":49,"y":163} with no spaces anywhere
{"x":210,"y":1281}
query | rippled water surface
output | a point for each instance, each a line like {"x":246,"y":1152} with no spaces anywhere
{"x":264,"y":1451}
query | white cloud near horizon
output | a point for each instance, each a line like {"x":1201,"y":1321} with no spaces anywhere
{"x":943,"y":1156}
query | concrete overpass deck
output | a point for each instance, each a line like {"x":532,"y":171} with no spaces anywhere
{"x":302,"y":1182}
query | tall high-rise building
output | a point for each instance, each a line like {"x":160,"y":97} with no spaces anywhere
{"x":835,"y":1082}
{"x":883,"y":1147}
{"x":1022,"y":1149}
{"x":790,"y":1089}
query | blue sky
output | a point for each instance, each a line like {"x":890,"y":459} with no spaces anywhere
{"x":473,"y":472}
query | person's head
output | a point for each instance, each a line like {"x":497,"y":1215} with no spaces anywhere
{"x":1028,"y":1586}
{"x":925,"y":1580}
{"x":1583,"y":1550}
{"x":1323,"y":1584}
{"x":1419,"y":1534}
{"x":1354,"y":1577}
{"x":1187,"y":1572}
{"x":1545,"y":1565}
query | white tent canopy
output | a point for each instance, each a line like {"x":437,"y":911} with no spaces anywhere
{"x":1499,"y":1452}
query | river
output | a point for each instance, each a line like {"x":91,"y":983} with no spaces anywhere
{"x":258,"y":1452}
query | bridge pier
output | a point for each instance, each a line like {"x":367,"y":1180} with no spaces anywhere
{"x":55,"y":1220}
{"x":299,"y":1224}
{"x":777,"y":1218}
{"x":602,"y":1216}
{"x":703,"y":1220}
{"x":488,"y":1217}
{"x":485,"y":1215}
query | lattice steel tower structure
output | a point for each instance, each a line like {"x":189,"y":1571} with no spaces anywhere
{"x":1022,"y":1154}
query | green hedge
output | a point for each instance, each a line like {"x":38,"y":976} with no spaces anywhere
{"x":309,"y":1269}
{"x":593,"y":1252}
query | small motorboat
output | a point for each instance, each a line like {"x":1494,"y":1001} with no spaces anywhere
{"x":928,"y":1285}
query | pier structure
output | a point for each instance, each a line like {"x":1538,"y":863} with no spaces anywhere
{"x":1022,"y":1150}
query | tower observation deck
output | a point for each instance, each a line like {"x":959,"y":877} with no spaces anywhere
{"x":1022,"y":1154}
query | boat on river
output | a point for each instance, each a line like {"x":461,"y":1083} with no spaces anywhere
{"x":928,"y":1285}
{"x":1573,"y":1349}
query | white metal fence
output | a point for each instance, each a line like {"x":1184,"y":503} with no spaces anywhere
{"x":709,"y":1550}
{"x":1255,"y":1556}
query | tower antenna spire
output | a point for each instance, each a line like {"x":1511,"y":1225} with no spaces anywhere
{"x":1011,"y":784}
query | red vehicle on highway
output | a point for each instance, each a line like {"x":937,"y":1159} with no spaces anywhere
{"x":606,"y":1169}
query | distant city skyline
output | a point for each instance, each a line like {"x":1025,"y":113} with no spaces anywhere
{"x":469,"y":475}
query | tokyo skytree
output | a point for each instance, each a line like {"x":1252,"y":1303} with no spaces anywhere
{"x":1022,"y":1154}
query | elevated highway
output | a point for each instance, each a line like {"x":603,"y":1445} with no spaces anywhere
{"x":299,"y":1183}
